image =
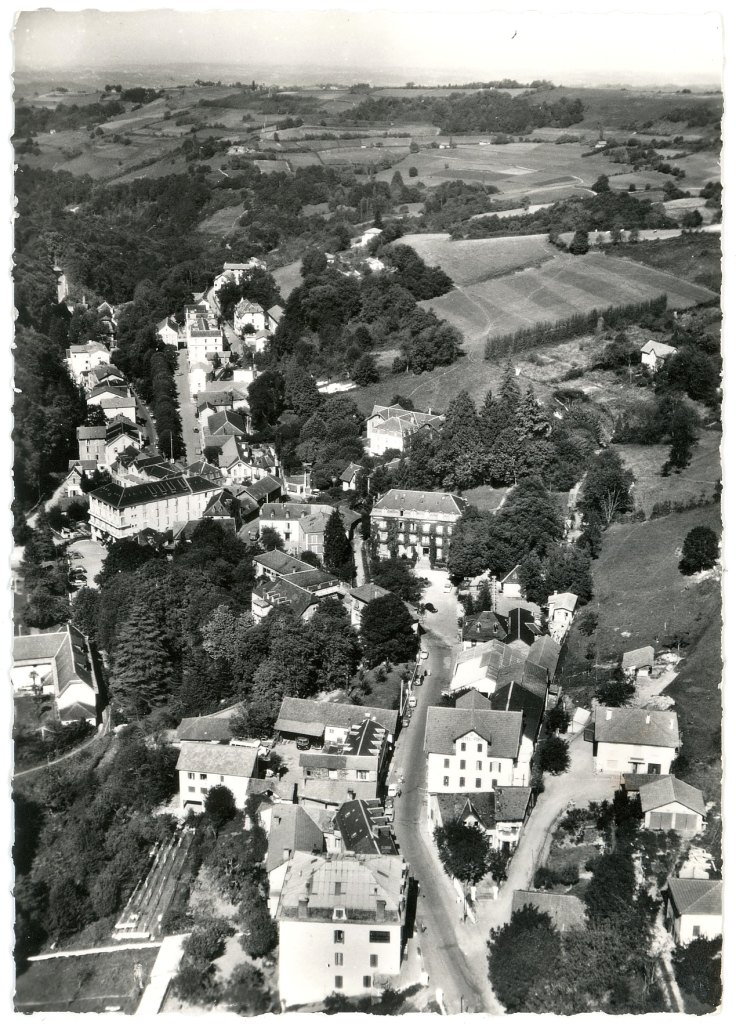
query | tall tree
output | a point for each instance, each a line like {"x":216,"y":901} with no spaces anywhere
{"x":568,"y":569}
{"x":338,"y":554}
{"x":460,"y":454}
{"x":521,"y":954}
{"x":700,"y":550}
{"x":464,"y":851}
{"x":387,"y":632}
{"x":142,"y":673}
{"x":606,"y":491}
{"x":509,"y":393}
{"x":531,"y":420}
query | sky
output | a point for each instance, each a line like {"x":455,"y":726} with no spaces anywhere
{"x":470,"y":42}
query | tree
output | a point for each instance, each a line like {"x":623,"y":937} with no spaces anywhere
{"x":509,"y":394}
{"x":245,"y":993}
{"x":615,"y":693}
{"x":568,"y":569}
{"x":266,"y":395}
{"x":338,"y":554}
{"x":460,"y":457}
{"x":522,"y":954}
{"x":387,"y":632}
{"x":95,"y":416}
{"x":260,"y":933}
{"x":580,"y":244}
{"x":365,"y":371}
{"x":683,"y":435}
{"x":413,"y":172}
{"x":270,"y":539}
{"x":397,"y":575}
{"x":601,"y":184}
{"x":698,"y":968}
{"x":700,"y":550}
{"x":606,"y":491}
{"x":142,"y":674}
{"x":557,"y":718}
{"x":464,"y":851}
{"x":553,"y":755}
{"x":124,"y":555}
{"x":219,"y":805}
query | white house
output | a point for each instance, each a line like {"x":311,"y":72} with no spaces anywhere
{"x":694,"y":908}
{"x":669,"y":803}
{"x":634,"y":740}
{"x":561,"y":611}
{"x":249,"y":314}
{"x":472,"y":750}
{"x":362,"y":240}
{"x":198,"y":373}
{"x":341,"y":925}
{"x":500,"y":814}
{"x":116,"y":511}
{"x":654,"y":353}
{"x":202,"y":765}
{"x":60,"y":664}
{"x":415,"y":522}
{"x":168,"y":331}
{"x":390,"y":426}
{"x":82,"y":358}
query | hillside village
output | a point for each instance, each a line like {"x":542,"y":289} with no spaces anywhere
{"x":335,"y":695}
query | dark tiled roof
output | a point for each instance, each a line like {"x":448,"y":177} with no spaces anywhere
{"x":123,"y":497}
{"x":696,"y":895}
{"x":281,"y":563}
{"x":521,"y":626}
{"x":296,"y":713}
{"x":637,"y":725}
{"x":421,"y":501}
{"x":485,"y":626}
{"x":291,"y":830}
{"x":218,"y":758}
{"x":516,"y":697}
{"x":368,"y":592}
{"x":262,"y":488}
{"x":473,"y":699}
{"x":512,"y":802}
{"x":501,"y":729}
{"x":364,"y":828}
{"x":545,"y":652}
{"x":666,"y":789}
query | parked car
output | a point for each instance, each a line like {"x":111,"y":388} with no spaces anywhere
{"x":393,"y":790}
{"x":412,"y":701}
{"x":405,"y":720}
{"x":419,"y":680}
{"x":423,"y":654}
{"x":447,"y":587}
{"x":302,"y":743}
{"x":388,"y":812}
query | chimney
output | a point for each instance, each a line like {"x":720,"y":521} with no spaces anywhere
{"x":302,"y":910}
{"x":648,"y":719}
{"x":380,"y":910}
{"x":609,"y":714}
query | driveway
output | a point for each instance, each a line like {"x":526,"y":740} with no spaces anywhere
{"x":91,"y":556}
{"x":443,"y":622}
{"x":454,"y":952}
{"x":578,"y":786}
{"x":187,"y":410}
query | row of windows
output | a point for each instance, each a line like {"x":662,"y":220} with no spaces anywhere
{"x":202,"y":775}
{"x":340,"y":960}
{"x":367,"y":981}
{"x":461,"y":782}
{"x":478,"y":765}
{"x":339,"y":936}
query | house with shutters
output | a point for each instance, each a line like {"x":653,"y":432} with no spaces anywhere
{"x":472,"y":749}
{"x":415,"y":522}
{"x":634,"y":740}
{"x":693,"y":908}
{"x":202,"y":765}
{"x":249,"y":314}
{"x":668,"y":803}
{"x":341,"y":921}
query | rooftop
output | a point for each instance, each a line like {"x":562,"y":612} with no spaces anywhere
{"x":500,"y":729}
{"x":421,"y":501}
{"x":292,"y":830}
{"x":311,"y":717}
{"x":121,"y":497}
{"x":368,"y":592}
{"x":218,"y":759}
{"x":696,"y":895}
{"x":640,"y":658}
{"x":364,"y":827}
{"x":565,"y":602}
{"x":367,"y":888}
{"x":666,"y":789}
{"x":637,"y":725}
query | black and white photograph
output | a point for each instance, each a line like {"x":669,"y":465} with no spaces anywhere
{"x":369,"y":534}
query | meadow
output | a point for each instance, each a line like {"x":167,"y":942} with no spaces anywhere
{"x":698,"y":478}
{"x":84,"y":983}
{"x":474,"y":260}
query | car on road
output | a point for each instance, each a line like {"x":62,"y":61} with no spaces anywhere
{"x":447,"y":589}
{"x":388,"y":811}
{"x":412,"y":701}
{"x":419,"y":680}
{"x":423,"y":654}
{"x":405,"y":720}
{"x":196,"y":430}
{"x":302,"y":743}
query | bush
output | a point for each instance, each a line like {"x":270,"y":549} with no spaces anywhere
{"x":615,"y":693}
{"x":207,"y":941}
{"x":700,"y":550}
{"x":553,"y":755}
{"x":413,"y":172}
{"x":547,"y":878}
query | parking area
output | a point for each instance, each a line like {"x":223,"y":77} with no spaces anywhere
{"x":441,"y":596}
{"x":87,"y":555}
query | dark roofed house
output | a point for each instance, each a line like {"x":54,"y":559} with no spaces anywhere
{"x":349,"y":769}
{"x":472,"y":749}
{"x":360,"y":597}
{"x":566,"y":912}
{"x":327,"y":721}
{"x":420,"y":519}
{"x":291,"y":830}
{"x":116,"y":511}
{"x":522,"y":628}
{"x":499,"y":813}
{"x":515,"y":696}
{"x":634,"y":740}
{"x":483,"y":627}
{"x":364,"y":828}
{"x":545,"y":652}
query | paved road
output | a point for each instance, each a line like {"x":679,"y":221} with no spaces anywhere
{"x":91,"y":556}
{"x":187,"y":410}
{"x":71,"y":753}
{"x":454,"y":952}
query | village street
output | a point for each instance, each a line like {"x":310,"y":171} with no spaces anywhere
{"x":187,"y":409}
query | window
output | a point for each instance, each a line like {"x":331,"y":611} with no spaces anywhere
{"x":338,"y":959}
{"x":190,"y":775}
{"x":204,"y":789}
{"x":338,"y":936}
{"x":447,"y":762}
{"x":477,"y":783}
{"x":203,"y":775}
{"x":191,"y":789}
{"x":338,"y":888}
{"x":446,"y":780}
{"x":479,"y":766}
{"x":362,"y":775}
{"x":696,"y":931}
{"x":379,"y":936}
{"x":500,"y":767}
{"x":462,"y":781}
{"x":462,"y":764}
{"x":374,"y":960}
{"x":480,"y":748}
{"x":222,"y":778}
{"x":366,"y":981}
{"x":338,"y":981}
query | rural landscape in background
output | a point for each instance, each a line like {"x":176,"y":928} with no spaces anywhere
{"x":537,"y":268}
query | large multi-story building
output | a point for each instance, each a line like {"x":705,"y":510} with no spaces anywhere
{"x":415,"y":522}
{"x":389,"y":427}
{"x":61,"y":665}
{"x":341,"y":925}
{"x":82,"y":359}
{"x":116,"y":511}
{"x":302,"y":526}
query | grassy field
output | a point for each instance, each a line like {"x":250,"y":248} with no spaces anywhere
{"x":487,"y":499}
{"x":695,"y":257}
{"x":560,"y":287}
{"x":84,"y":984}
{"x":288,"y":278}
{"x":472,"y":261}
{"x":699,"y":478}
{"x":222,"y":222}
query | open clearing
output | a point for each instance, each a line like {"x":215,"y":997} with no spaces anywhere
{"x":222,"y":222}
{"x":288,"y":278}
{"x":700,"y":477}
{"x":83,"y":983}
{"x":471,"y":261}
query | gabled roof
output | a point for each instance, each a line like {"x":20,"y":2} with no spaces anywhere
{"x":350,"y":472}
{"x":696,"y":895}
{"x":545,"y":652}
{"x":637,"y":726}
{"x":227,"y":422}
{"x":566,"y":912}
{"x":118,"y":496}
{"x":66,"y":649}
{"x":420,"y":502}
{"x":473,"y":699}
{"x":501,"y":729}
{"x":522,"y":627}
{"x":292,"y":830}
{"x":91,"y":433}
{"x":245,"y":306}
{"x":276,"y":312}
{"x":658,"y":348}
{"x":484,"y":626}
{"x":281,"y":563}
{"x":566,"y":602}
{"x":516,"y":697}
{"x":218,"y":759}
{"x":642,"y":657}
{"x":364,"y":828}
{"x":368,"y":592}
{"x":512,"y":577}
{"x":262,"y":488}
{"x":310,"y":717}
{"x":666,"y":789}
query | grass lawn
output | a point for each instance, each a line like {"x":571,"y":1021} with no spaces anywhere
{"x":699,"y":478}
{"x":382,"y":693}
{"x":475,"y":260}
{"x":487,"y":499}
{"x":288,"y":278}
{"x":222,"y":222}
{"x":84,"y":983}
